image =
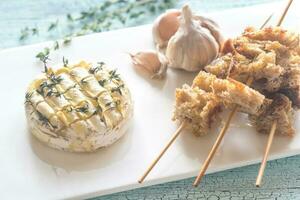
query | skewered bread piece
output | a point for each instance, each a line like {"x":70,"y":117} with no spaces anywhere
{"x":281,"y":111}
{"x":197,"y":108}
{"x":199,"y":104}
{"x":231,"y":92}
{"x":284,"y":37}
{"x":284,"y":44}
{"x":239,"y":67}
{"x":78,"y":108}
{"x":270,"y":56}
{"x":290,"y":83}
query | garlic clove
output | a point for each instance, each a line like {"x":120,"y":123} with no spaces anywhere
{"x":152,"y":62}
{"x":165,"y":26}
{"x":214,"y":29}
{"x":192,"y":47}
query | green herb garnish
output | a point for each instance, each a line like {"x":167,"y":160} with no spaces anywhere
{"x":65,"y":62}
{"x":45,"y":121}
{"x":84,"y":81}
{"x":28,"y":96}
{"x":102,"y":82}
{"x":82,"y":109}
{"x":110,"y":104}
{"x":97,"y":111}
{"x":56,"y":45}
{"x":43,"y":56}
{"x":53,"y":25}
{"x":113,"y":75}
{"x":118,"y":89}
{"x":106,"y":15}
{"x":55,"y":79}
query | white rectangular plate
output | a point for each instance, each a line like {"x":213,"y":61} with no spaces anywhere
{"x":30,"y":170}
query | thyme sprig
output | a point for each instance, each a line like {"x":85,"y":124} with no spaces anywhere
{"x":107,"y":15}
{"x":99,"y":67}
{"x":55,"y":79}
{"x":93,"y":70}
{"x":43,"y":56}
{"x":49,"y":87}
{"x":26,"y":32}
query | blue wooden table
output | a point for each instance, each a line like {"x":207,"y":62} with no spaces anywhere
{"x":282,"y":177}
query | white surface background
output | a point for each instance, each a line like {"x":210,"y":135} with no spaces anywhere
{"x":30,"y":170}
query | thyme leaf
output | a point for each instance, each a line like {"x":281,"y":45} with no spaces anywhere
{"x":114,"y":75}
{"x":70,"y":17}
{"x":45,"y":121}
{"x":26,"y":32}
{"x":118,"y":89}
{"x":65,"y":62}
{"x":102,"y":82}
{"x":97,"y":111}
{"x":53,"y":25}
{"x":67,"y":40}
{"x":99,"y":67}
{"x":56,"y":45}
{"x":82,"y":109}
{"x":84,"y":81}
{"x":93,"y":70}
{"x":28,"y":96}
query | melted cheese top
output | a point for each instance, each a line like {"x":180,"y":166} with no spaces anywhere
{"x":79,"y":97}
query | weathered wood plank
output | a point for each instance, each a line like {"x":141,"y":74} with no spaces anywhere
{"x":281,"y":181}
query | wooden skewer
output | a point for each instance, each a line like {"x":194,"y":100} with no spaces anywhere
{"x":176,"y":134}
{"x":274,"y":125}
{"x":267,"y":20}
{"x":264,"y":161}
{"x":217,"y":143}
{"x":284,"y":13}
{"x":215,"y":147}
{"x":223,"y":131}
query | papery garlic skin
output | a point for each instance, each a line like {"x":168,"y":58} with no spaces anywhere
{"x":192,"y":47}
{"x":165,"y":26}
{"x":151,"y":61}
{"x":213,"y":28}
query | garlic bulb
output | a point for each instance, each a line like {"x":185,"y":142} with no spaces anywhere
{"x":165,"y":26}
{"x":151,"y":61}
{"x":195,"y":44}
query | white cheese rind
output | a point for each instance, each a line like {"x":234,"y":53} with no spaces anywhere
{"x":87,"y":115}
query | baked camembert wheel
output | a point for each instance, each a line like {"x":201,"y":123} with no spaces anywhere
{"x":78,"y":108}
